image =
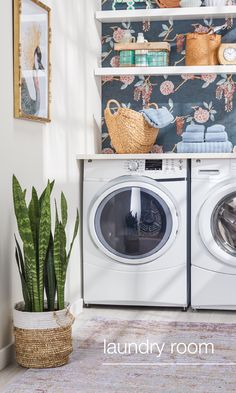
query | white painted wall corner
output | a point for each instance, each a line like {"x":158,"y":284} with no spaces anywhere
{"x":6,"y":356}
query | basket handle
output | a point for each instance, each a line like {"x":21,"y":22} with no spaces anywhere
{"x":152,"y":104}
{"x":70,"y":317}
{"x":195,"y":34}
{"x":161,"y":4}
{"x":108,"y":106}
{"x":212,"y":37}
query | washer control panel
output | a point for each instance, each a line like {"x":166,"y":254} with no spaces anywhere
{"x":156,"y":168}
{"x":106,"y":170}
{"x":133,"y":165}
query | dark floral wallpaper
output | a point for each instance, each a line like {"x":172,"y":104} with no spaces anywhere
{"x":203,"y":99}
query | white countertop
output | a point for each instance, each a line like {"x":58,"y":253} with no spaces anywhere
{"x":155,"y":156}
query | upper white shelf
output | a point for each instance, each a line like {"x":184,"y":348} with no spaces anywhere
{"x":164,"y":156}
{"x":160,"y":14}
{"x":178,"y":70}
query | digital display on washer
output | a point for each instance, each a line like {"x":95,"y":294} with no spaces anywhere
{"x":153,"y":165}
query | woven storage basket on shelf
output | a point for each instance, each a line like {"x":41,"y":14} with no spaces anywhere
{"x":42,"y":340}
{"x":168,"y":3}
{"x":129,"y":131}
{"x":202,"y":49}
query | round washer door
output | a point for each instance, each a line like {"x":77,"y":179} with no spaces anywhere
{"x":217,"y":223}
{"x":134,"y":222}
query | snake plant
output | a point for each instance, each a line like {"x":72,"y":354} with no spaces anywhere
{"x":43,"y":258}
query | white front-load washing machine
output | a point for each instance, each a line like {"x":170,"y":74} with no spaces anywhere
{"x":135,"y":232}
{"x":213,"y":270}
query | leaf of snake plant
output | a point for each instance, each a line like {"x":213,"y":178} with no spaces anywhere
{"x":25,"y":292}
{"x":21,"y":260}
{"x":24,"y":280}
{"x":64,"y":214}
{"x":34,"y":215}
{"x":50,"y":277}
{"x":42,"y":196}
{"x":61,"y":283}
{"x":76,"y":228}
{"x":57,"y":257}
{"x":44,"y":237}
{"x":23,"y":222}
{"x":63,"y":251}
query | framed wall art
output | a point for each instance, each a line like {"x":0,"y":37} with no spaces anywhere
{"x":32,"y":66}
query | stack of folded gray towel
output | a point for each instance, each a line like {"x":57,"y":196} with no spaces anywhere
{"x":196,"y":140}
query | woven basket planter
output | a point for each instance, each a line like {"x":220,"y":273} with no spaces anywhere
{"x":129,"y":131}
{"x":42,"y":340}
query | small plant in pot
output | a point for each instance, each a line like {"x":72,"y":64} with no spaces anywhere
{"x":43,"y":322}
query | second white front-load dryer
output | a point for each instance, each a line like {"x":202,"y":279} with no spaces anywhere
{"x":213,"y":270}
{"x":134,"y":232}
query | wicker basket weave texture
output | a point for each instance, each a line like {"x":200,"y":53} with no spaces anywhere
{"x":129,"y":131}
{"x":42,"y":340}
{"x":45,"y":348}
{"x":202,"y":49}
{"x":168,"y":3}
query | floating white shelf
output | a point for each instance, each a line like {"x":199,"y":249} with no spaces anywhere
{"x":178,"y":70}
{"x":166,"y":14}
{"x":165,"y":156}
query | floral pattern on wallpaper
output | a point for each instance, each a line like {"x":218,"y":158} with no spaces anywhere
{"x":203,"y":99}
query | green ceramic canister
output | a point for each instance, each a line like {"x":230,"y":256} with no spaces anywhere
{"x":158,"y":58}
{"x":127,"y":58}
{"x":141,"y":58}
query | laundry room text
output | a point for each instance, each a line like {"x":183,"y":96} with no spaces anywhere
{"x":158,"y":349}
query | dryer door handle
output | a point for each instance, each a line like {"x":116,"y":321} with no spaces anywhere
{"x":209,"y":171}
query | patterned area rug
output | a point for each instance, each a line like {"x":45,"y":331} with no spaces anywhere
{"x":155,"y":357}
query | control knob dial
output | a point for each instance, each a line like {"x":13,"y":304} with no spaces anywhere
{"x":133,"y":166}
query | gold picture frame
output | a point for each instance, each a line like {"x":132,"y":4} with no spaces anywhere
{"x":32,"y":60}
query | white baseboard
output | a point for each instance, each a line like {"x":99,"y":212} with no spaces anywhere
{"x":6,"y":356}
{"x":77,"y":307}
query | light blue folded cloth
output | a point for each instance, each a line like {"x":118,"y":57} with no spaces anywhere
{"x":216,"y":137}
{"x":205,"y":147}
{"x":193,"y":137}
{"x":216,"y":128}
{"x":157,"y":118}
{"x":195,"y":128}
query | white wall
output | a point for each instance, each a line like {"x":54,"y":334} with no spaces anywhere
{"x":36,"y":152}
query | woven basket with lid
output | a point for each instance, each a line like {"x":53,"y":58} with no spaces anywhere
{"x":130,"y":133}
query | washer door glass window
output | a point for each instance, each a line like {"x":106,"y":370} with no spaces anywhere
{"x":133,"y":223}
{"x":223,"y":224}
